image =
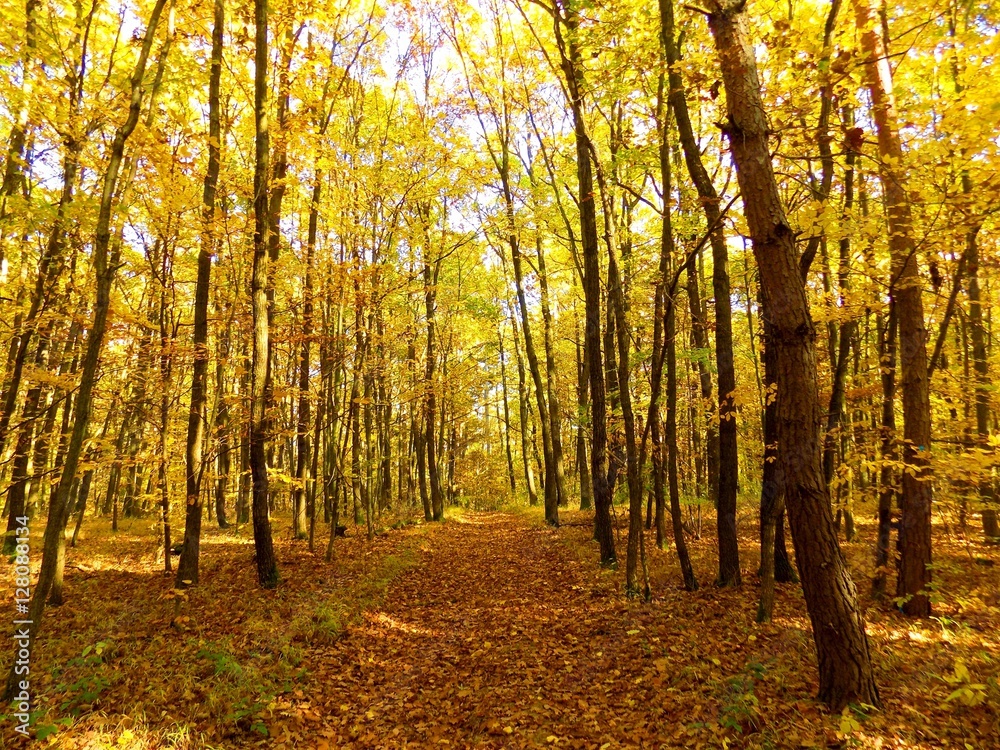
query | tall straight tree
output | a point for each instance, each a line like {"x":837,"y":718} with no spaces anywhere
{"x":187,"y":568}
{"x":845,"y":669}
{"x":566,"y":15}
{"x":260,"y":363}
{"x":728,"y":466}
{"x":914,"y":542}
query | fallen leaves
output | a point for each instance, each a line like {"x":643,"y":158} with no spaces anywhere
{"x":489,"y":633}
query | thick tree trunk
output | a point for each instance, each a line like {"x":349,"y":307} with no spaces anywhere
{"x":845,"y":669}
{"x":914,"y":541}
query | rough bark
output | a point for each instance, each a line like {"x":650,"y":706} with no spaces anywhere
{"x":845,"y":670}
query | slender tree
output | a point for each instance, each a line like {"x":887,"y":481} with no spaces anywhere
{"x":105,"y":267}
{"x":260,"y":363}
{"x":914,"y":541}
{"x":728,"y":456}
{"x":187,"y":568}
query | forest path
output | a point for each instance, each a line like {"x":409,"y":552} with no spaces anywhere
{"x":498,"y":636}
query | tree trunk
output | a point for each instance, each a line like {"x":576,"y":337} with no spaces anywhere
{"x":430,"y":441}
{"x":522,"y":400}
{"x":260,"y":363}
{"x":18,"y":482}
{"x":886,"y":490}
{"x":845,"y":671}
{"x":187,"y":567}
{"x":914,"y":541}
{"x":506,"y":415}
{"x":728,"y":481}
{"x":551,"y":487}
{"x":772,"y":485}
{"x":304,"y":425}
{"x":571,"y":59}
{"x":555,"y":413}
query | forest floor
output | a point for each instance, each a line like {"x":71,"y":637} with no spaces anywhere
{"x":489,"y":630}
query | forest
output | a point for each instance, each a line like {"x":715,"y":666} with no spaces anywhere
{"x":502,"y":373}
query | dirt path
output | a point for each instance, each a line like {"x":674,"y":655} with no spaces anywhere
{"x":497,"y":637}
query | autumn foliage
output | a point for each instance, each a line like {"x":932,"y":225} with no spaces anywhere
{"x":407,"y":373}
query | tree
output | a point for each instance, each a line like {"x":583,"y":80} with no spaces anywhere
{"x":727,"y":482}
{"x":914,"y":542}
{"x":845,"y":669}
{"x":187,"y":568}
{"x":566,"y":14}
{"x":260,"y":366}
{"x":105,"y":269}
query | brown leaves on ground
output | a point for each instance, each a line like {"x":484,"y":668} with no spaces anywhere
{"x":492,"y":630}
{"x":506,"y":634}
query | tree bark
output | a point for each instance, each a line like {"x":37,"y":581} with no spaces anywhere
{"x":845,"y":670}
{"x":430,"y":441}
{"x":887,"y":489}
{"x":260,"y":363}
{"x":506,"y":414}
{"x":187,"y":567}
{"x":304,"y":412}
{"x":571,"y":63}
{"x":914,"y":540}
{"x":728,"y":468}
{"x":522,"y":399}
